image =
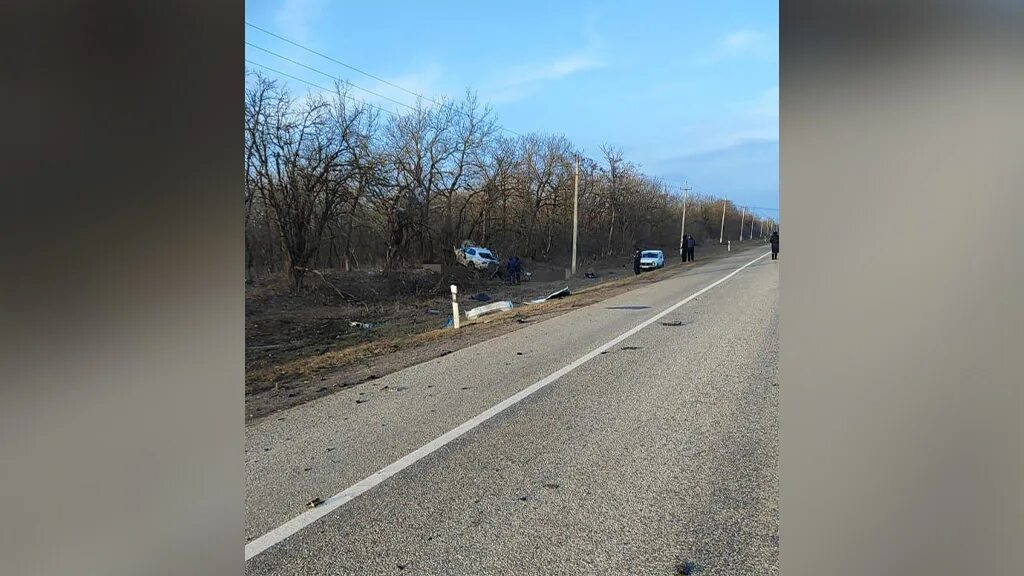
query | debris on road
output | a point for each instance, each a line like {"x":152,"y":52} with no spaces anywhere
{"x":488,"y":309}
{"x":629,"y":307}
{"x":630,"y":348}
{"x":672,"y":323}
{"x":363,"y":325}
{"x":590,"y":275}
{"x":315,"y":502}
{"x":434,"y":312}
{"x":521,"y":319}
{"x":552,"y":486}
{"x":559,"y":294}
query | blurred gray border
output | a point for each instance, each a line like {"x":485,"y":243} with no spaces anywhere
{"x":121,"y":334}
{"x":902,"y":417}
{"x":901,"y":324}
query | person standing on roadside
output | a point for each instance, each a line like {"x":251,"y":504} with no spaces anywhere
{"x":636,"y":262}
{"x":513,"y":270}
{"x":775,"y":245}
{"x":690,"y":245}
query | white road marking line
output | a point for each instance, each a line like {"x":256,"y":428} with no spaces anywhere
{"x":268,"y":540}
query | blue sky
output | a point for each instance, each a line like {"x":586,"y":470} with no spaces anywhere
{"x":688,"y":90}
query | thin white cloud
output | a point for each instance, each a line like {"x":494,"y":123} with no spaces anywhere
{"x":767,"y":104}
{"x":741,"y":39}
{"x":425,"y":81}
{"x":295,"y":18}
{"x":521,"y":80}
{"x":741,"y":43}
{"x":553,"y":70}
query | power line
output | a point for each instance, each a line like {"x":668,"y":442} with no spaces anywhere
{"x":367,"y":74}
{"x":315,"y":85}
{"x":297,"y":63}
{"x":350,"y":67}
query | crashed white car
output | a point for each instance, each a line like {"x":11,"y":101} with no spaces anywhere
{"x":476,"y":257}
{"x":652,"y":259}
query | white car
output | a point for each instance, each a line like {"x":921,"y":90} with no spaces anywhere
{"x":652,"y":260}
{"x":476,"y":257}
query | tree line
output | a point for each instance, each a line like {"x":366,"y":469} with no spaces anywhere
{"x":333,"y":182}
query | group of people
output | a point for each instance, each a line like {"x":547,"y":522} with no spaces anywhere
{"x":513,"y":268}
{"x":687,"y":249}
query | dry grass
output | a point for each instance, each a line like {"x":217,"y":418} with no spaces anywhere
{"x":303,"y":368}
{"x":311,"y":371}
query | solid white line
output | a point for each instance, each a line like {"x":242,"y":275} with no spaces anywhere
{"x":310,"y":516}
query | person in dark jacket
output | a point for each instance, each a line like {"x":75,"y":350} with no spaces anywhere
{"x":690,"y":245}
{"x":636,"y":262}
{"x":513,"y":270}
{"x":775,"y":245}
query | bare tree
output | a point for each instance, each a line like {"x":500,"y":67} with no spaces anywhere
{"x":329,"y":182}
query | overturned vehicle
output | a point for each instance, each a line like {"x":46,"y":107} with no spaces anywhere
{"x":477,"y":257}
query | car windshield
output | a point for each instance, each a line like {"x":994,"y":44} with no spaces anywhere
{"x":649,"y":255}
{"x":486,"y":254}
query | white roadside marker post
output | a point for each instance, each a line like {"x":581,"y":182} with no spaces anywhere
{"x":728,"y":246}
{"x":455,"y":307}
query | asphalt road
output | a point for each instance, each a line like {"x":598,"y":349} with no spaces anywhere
{"x":659,"y":452}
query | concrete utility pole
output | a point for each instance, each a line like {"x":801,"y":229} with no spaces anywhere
{"x":682,"y":228}
{"x":575,"y":212}
{"x":742,"y":214}
{"x":721,"y":234}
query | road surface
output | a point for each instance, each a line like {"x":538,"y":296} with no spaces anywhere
{"x":602,"y":441}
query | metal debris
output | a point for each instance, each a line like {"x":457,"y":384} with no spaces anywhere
{"x":488,"y":309}
{"x":558,"y":294}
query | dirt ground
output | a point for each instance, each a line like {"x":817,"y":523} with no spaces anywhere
{"x":301,"y":346}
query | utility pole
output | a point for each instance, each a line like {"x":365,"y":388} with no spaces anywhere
{"x":575,"y":212}
{"x":742,"y":214}
{"x":682,"y":228}
{"x":721,"y":234}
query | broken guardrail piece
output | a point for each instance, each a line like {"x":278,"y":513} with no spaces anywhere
{"x":559,"y":294}
{"x":488,"y":309}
